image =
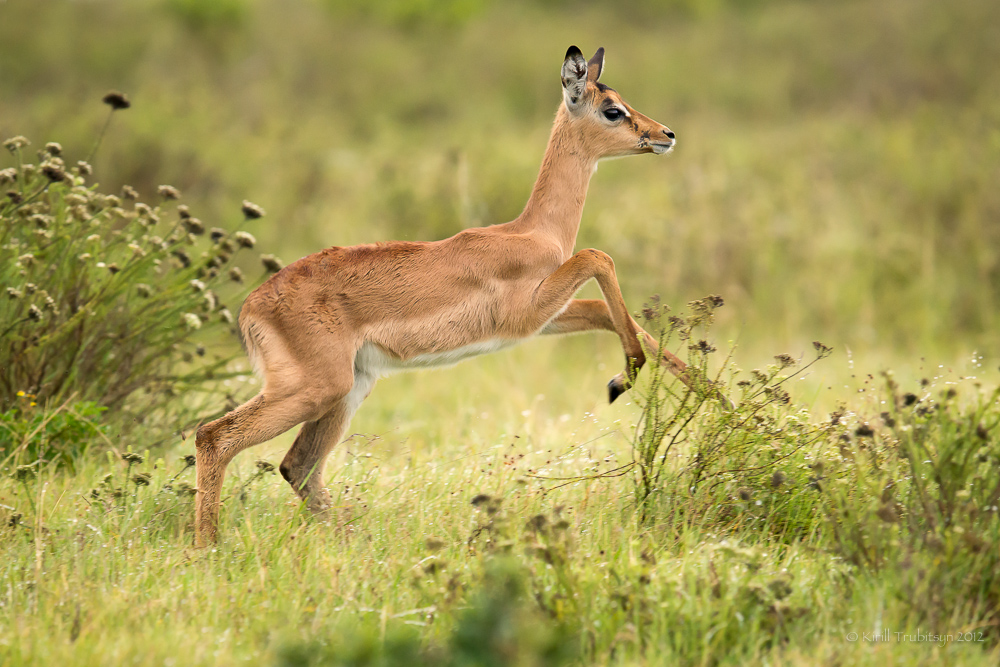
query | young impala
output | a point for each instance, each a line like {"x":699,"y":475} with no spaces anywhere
{"x":325,"y":328}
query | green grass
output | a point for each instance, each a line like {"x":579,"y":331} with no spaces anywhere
{"x":834,"y":180}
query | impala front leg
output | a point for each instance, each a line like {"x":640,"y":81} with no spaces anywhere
{"x":555,"y":291}
{"x":592,"y":315}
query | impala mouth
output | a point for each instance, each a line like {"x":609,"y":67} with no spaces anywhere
{"x":660,"y":149}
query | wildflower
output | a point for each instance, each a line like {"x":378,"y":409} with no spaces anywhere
{"x":785,"y":360}
{"x":113,"y":268}
{"x":53,"y":148}
{"x":909,"y":399}
{"x":197,"y":285}
{"x":189,"y":460}
{"x":141,"y":478}
{"x":132,"y":458}
{"x":191,"y":321}
{"x":185,"y":489}
{"x":14,"y":196}
{"x":193,"y":226}
{"x":271,"y":263}
{"x":744,"y":494}
{"x":168,"y":192}
{"x":226,"y":316}
{"x":480,"y":499}
{"x":41,"y":221}
{"x":252,"y":211}
{"x":244,"y":239}
{"x":200,"y":350}
{"x":864,"y":430}
{"x":13,"y":293}
{"x":777,"y":479}
{"x":24,"y":473}
{"x":34,"y":314}
{"x":15,"y":144}
{"x":116,"y":100}
{"x":183,"y":211}
{"x":112,"y":201}
{"x":30,"y":288}
{"x":217,"y":234}
{"x":264,"y":466}
{"x":84,"y":168}
{"x":144,"y":290}
{"x":26,"y":260}
{"x":8,"y":176}
{"x":703,"y":346}
{"x":136,"y":250}
{"x":129,"y":193}
{"x":236,"y":275}
{"x":538,"y":522}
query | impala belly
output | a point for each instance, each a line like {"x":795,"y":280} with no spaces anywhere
{"x":372,"y":360}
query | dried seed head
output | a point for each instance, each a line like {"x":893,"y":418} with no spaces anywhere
{"x":777,"y":479}
{"x":53,"y":148}
{"x":197,"y":285}
{"x":132,"y":458}
{"x":217,"y":234}
{"x":182,"y":257}
{"x":193,"y":226}
{"x":14,"y":293}
{"x":821,"y":349}
{"x":236,"y":275}
{"x":480,"y":499}
{"x":785,"y":360}
{"x":183,"y":211}
{"x":271,"y":263}
{"x":130,"y":193}
{"x":113,"y":268}
{"x":191,"y":321}
{"x":8,"y":175}
{"x":53,"y":171}
{"x":434,"y":544}
{"x":84,"y":168}
{"x":226,"y":316}
{"x":116,"y":100}
{"x":251,"y":211}
{"x":14,"y":196}
{"x":141,"y":478}
{"x":168,"y":192}
{"x":864,"y":431}
{"x":189,"y":460}
{"x":200,"y":350}
{"x":244,"y":239}
{"x":15,"y":144}
{"x":264,"y":466}
{"x":144,"y":290}
{"x":24,"y":473}
{"x":34,"y":313}
{"x":744,"y":494}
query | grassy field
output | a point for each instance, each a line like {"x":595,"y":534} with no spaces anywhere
{"x":834,"y":180}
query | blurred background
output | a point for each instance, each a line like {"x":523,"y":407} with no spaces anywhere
{"x":837,"y":174}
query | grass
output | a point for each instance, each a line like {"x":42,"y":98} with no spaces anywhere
{"x":834,"y":179}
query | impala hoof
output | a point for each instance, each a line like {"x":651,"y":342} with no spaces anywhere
{"x":616,"y":387}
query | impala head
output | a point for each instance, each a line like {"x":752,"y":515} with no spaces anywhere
{"x":608,"y":126}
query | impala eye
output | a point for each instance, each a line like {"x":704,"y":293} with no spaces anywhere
{"x":614,"y":113}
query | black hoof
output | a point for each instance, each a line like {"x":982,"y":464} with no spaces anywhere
{"x":615,"y":389}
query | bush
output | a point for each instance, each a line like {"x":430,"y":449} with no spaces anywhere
{"x":109,"y":302}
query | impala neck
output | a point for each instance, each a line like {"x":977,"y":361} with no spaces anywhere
{"x":556,"y":202}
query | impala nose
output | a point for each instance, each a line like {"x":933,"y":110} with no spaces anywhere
{"x":669,"y":133}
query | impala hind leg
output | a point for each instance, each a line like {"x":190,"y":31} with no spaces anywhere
{"x":302,"y":466}
{"x":264,"y":417}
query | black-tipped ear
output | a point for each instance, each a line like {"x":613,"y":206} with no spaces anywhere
{"x":574,"y":77}
{"x":596,"y":65}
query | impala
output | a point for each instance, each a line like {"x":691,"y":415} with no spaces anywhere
{"x":321,"y":331}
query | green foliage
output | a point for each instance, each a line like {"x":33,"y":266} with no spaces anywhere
{"x":32,"y":433}
{"x":109,"y":301}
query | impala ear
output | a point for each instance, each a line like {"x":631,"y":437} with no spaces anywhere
{"x":574,"y":77}
{"x":595,"y":66}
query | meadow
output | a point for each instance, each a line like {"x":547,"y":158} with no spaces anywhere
{"x":834,"y":181}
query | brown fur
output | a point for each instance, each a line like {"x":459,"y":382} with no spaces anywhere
{"x":305,"y":327}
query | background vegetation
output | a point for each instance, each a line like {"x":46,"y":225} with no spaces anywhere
{"x":835,"y":179}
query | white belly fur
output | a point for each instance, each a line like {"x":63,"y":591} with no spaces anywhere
{"x":373,"y":361}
